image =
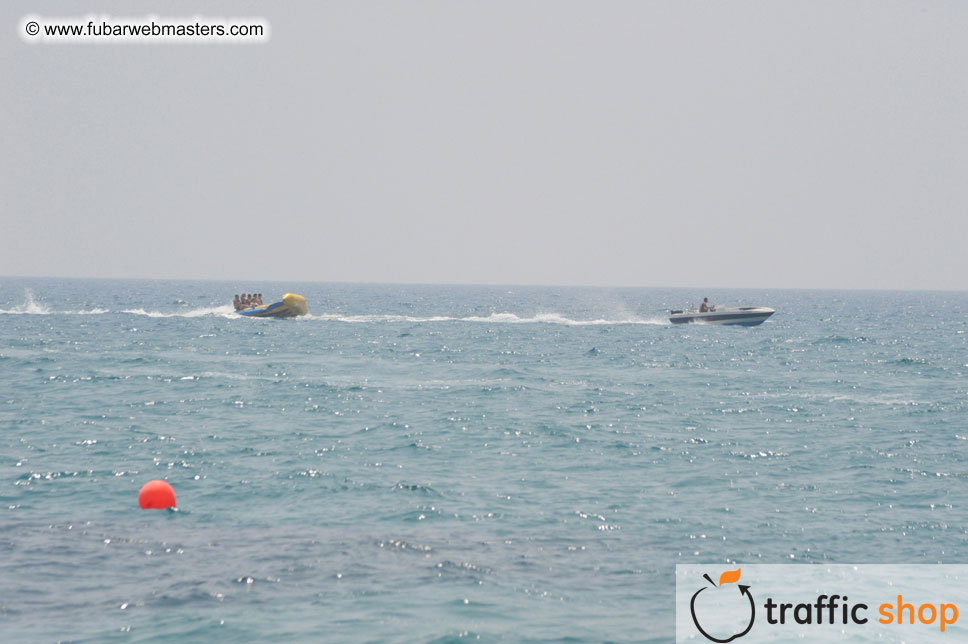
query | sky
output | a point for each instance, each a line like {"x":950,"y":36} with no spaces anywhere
{"x":810,"y":144}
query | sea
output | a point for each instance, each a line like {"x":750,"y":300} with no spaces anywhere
{"x":446,"y":464}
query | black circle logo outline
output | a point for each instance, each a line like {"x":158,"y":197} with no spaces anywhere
{"x":692,"y":609}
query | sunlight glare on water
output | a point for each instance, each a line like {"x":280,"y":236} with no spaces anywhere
{"x":447,"y":464}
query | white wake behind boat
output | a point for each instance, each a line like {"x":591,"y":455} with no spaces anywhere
{"x":742,"y":315}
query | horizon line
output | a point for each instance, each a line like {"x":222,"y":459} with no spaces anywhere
{"x":495,"y":284}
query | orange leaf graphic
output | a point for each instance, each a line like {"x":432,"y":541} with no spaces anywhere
{"x":729,"y":577}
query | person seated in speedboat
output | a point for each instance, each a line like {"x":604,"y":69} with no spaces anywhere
{"x":705,"y":307}
{"x":258,"y":299}
{"x":237,"y":303}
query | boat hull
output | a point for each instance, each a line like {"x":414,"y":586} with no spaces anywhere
{"x":742,"y":316}
{"x":291,"y":306}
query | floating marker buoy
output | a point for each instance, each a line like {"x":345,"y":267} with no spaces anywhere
{"x":156,"y":495}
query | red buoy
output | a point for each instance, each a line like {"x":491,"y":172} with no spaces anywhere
{"x":156,"y":495}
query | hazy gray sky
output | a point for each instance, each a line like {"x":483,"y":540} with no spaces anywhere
{"x":664,"y":143}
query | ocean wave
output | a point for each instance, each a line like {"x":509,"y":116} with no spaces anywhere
{"x":361,"y":319}
{"x":225,"y":311}
{"x":29,"y":307}
{"x":892,"y":400}
{"x":493,"y":318}
{"x":884,"y":399}
{"x":38,"y":309}
{"x":94,"y":311}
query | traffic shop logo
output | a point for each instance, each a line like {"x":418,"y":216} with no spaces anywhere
{"x":711,"y":600}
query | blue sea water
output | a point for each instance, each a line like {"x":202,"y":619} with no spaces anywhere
{"x":456,"y":464}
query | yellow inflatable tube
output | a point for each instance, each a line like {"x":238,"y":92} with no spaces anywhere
{"x":290,"y":306}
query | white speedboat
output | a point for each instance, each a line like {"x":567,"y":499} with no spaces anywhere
{"x":742,"y":315}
